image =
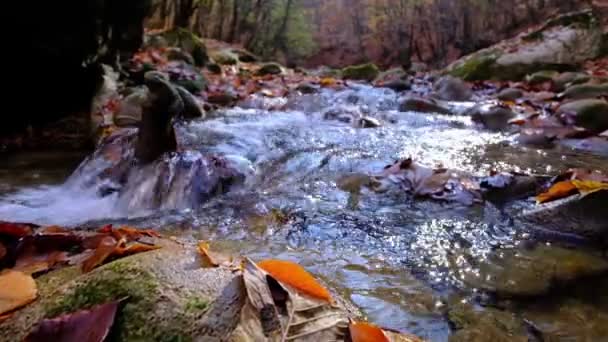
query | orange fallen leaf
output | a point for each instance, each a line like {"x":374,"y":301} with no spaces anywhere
{"x":558,"y":190}
{"x":133,"y":249}
{"x":328,"y":82}
{"x":295,"y":276}
{"x":102,"y":252}
{"x":16,"y":290}
{"x":365,"y":332}
{"x":54,"y":230}
{"x":206,"y":258}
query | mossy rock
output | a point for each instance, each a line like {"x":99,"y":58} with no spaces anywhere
{"x":224,"y":57}
{"x":561,"y":81}
{"x":590,"y":113}
{"x":586,"y":91}
{"x":168,"y":296}
{"x":475,"y":67}
{"x":270,"y":69}
{"x":188,"y":42}
{"x":245,"y":56}
{"x":363,"y":72}
{"x":542,"y":76}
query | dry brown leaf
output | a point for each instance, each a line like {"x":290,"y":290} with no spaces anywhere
{"x":2,"y":251}
{"x":134,"y":248}
{"x":54,"y":230}
{"x":32,"y":264}
{"x":365,"y":332}
{"x":557,"y":191}
{"x":295,"y":276}
{"x":206,"y":258}
{"x":17,"y":289}
{"x":16,"y":230}
{"x":106,"y":247}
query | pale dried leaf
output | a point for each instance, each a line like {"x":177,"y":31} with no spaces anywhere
{"x":16,"y":290}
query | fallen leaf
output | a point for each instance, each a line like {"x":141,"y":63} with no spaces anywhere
{"x":365,"y":332}
{"x":106,"y":246}
{"x":328,"y":82}
{"x":16,"y":230}
{"x":91,"y":325}
{"x":558,"y":190}
{"x":32,"y":264}
{"x":133,"y":249}
{"x":17,"y":289}
{"x":54,"y":230}
{"x":295,"y":276}
{"x":207,"y":259}
{"x":588,"y":187}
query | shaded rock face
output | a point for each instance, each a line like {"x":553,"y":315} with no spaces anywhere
{"x":561,"y":43}
{"x":58,"y":51}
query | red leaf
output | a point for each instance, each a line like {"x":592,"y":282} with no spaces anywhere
{"x":82,"y":326}
{"x":104,"y":250}
{"x":17,"y":230}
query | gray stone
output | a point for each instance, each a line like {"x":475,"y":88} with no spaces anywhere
{"x":585,"y":91}
{"x":492,"y":117}
{"x":510,"y":94}
{"x":450,"y":88}
{"x":419,"y":104}
{"x":591,"y":114}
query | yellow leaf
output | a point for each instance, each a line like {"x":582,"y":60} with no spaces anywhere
{"x":365,"y":332}
{"x":327,"y":82}
{"x":16,"y":290}
{"x":203,"y":251}
{"x":587,"y":187}
{"x":295,"y":276}
{"x":557,"y":191}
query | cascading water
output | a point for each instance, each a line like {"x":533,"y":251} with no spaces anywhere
{"x":291,"y":152}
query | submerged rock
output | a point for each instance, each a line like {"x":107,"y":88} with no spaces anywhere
{"x":363,"y":72}
{"x":591,"y":114}
{"x":533,"y":272}
{"x":492,"y":117}
{"x":561,"y":43}
{"x":579,"y":215}
{"x":419,"y":104}
{"x":485,"y":324}
{"x":450,"y":88}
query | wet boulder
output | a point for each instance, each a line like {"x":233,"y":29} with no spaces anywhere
{"x":563,"y":42}
{"x":565,"y":79}
{"x":577,"y":215}
{"x":509,"y":94}
{"x":224,"y":57}
{"x":492,"y":117}
{"x":585,"y":91}
{"x":362,"y":72}
{"x":270,"y":69}
{"x":527,"y":272}
{"x":450,"y":88}
{"x":419,"y":104}
{"x":590,"y":113}
{"x":130,"y":109}
{"x":176,"y":54}
{"x":192,"y":108}
{"x":186,"y":75}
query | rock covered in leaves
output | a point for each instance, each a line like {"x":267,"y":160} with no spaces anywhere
{"x":564,"y":41}
{"x":363,"y":72}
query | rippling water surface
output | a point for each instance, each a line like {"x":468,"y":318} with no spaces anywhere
{"x":399,"y":260}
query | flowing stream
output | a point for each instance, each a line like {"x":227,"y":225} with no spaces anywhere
{"x":402,"y":261}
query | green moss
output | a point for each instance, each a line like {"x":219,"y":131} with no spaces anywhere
{"x":196,"y":304}
{"x":363,"y":72}
{"x":270,"y":69}
{"x":475,"y":68}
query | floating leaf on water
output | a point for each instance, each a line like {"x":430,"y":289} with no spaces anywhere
{"x":85,"y":325}
{"x":17,"y":289}
{"x":295,"y":276}
{"x":365,"y":332}
{"x":104,"y":249}
{"x":558,"y":190}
